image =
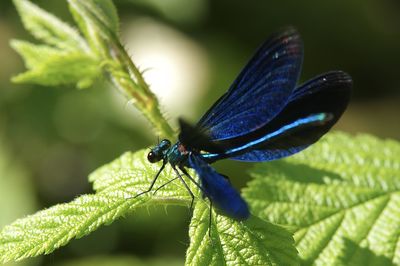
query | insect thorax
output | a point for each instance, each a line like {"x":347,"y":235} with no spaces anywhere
{"x":177,"y":154}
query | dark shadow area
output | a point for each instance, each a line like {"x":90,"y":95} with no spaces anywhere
{"x":296,"y":172}
{"x":356,"y":255}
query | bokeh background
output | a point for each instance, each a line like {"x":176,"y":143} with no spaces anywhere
{"x":52,"y":138}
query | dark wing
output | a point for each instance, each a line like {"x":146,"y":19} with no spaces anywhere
{"x":261,"y":90}
{"x":313,"y":109}
{"x":196,"y":139}
{"x":218,"y":189}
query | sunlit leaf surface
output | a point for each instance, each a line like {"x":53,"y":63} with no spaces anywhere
{"x":250,"y":242}
{"x":51,"y":228}
{"x":341,"y":197}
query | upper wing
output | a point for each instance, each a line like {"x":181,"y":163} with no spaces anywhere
{"x":261,"y":90}
{"x":313,"y":109}
{"x":218,"y":189}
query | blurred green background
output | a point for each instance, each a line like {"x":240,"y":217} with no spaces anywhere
{"x":52,"y":138}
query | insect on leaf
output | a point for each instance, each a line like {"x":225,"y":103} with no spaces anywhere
{"x":49,"y":229}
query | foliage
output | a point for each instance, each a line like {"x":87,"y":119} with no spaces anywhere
{"x":340,"y":198}
{"x":49,"y":229}
{"x":115,"y":185}
{"x":65,"y":58}
{"x":69,"y":57}
{"x":252,"y":242}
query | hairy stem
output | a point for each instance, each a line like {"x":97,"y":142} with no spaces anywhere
{"x":139,"y":93}
{"x":124,"y":74}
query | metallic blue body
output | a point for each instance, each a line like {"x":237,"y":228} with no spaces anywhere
{"x":175,"y":156}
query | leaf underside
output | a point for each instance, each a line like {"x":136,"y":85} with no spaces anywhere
{"x":341,"y":197}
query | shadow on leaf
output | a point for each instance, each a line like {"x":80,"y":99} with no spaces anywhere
{"x":357,"y":255}
{"x":295,"y":172}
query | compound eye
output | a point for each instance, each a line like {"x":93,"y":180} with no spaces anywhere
{"x":152,"y":157}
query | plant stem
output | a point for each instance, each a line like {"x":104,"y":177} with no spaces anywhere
{"x":142,"y":97}
{"x":128,"y":79}
{"x":145,"y":101}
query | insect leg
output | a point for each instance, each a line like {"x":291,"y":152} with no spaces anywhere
{"x":153,"y":182}
{"x":186,"y":186}
{"x":191,"y":178}
{"x":163,"y":185}
{"x":209,"y":221}
{"x":198,"y":185}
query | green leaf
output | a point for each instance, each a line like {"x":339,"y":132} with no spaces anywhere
{"x":135,"y":169}
{"x":54,"y":227}
{"x":341,"y":197}
{"x":65,"y":60}
{"x":106,"y":176}
{"x":95,"y":16}
{"x":250,"y":242}
{"x":49,"y":28}
{"x":57,"y":68}
{"x":33,"y":54}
